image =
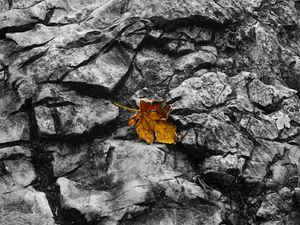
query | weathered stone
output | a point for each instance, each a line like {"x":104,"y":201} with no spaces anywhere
{"x":239,"y":86}
{"x":25,"y":206}
{"x":261,"y":127}
{"x":211,"y":89}
{"x":3,"y":6}
{"x":215,"y":135}
{"x":81,"y":162}
{"x":222,"y":164}
{"x":107,"y":70}
{"x":266,"y":95}
{"x":44,"y":119}
{"x":45,"y":68}
{"x":169,"y":10}
{"x":223,"y":169}
{"x":60,"y":58}
{"x":13,"y":127}
{"x":39,"y":35}
{"x":14,"y":150}
{"x":261,"y":157}
{"x":137,"y":171}
{"x":20,"y":173}
{"x":71,"y":114}
{"x":154,"y":66}
{"x":75,"y":120}
{"x":272,"y":206}
{"x":207,"y":56}
{"x":291,"y":106}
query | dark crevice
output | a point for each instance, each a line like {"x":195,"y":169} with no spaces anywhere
{"x":15,"y":143}
{"x":56,"y":120}
{"x":45,"y":102}
{"x":33,"y":59}
{"x":91,"y":90}
{"x":15,"y":29}
{"x":169,"y":25}
{"x":10,"y":4}
{"x":48,"y":16}
{"x":123,"y":80}
{"x":28,"y":48}
{"x":36,"y":3}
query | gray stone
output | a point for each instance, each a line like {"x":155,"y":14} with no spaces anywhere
{"x":169,"y":10}
{"x":213,"y":134}
{"x":14,"y":150}
{"x":136,"y":171}
{"x":291,"y":107}
{"x":13,"y":127}
{"x":266,"y":95}
{"x":153,"y":66}
{"x":272,"y":206}
{"x":25,"y":206}
{"x":223,"y":164}
{"x":20,"y":173}
{"x":261,"y":127}
{"x":190,"y":62}
{"x":198,"y":93}
{"x":261,"y":157}
{"x":107,"y":70}
{"x":39,"y":35}
{"x":74,"y":114}
{"x":239,"y":86}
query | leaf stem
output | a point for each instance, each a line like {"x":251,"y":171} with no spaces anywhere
{"x":125,"y":107}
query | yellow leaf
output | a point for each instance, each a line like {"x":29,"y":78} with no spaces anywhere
{"x":151,"y":122}
{"x":165,"y":132}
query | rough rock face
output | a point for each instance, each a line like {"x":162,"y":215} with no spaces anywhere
{"x":230,"y":69}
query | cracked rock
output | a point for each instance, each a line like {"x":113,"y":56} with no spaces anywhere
{"x":19,"y":173}
{"x":25,"y":206}
{"x":199,"y":93}
{"x":272,"y":206}
{"x":107,"y":70}
{"x":14,"y":150}
{"x":139,"y":174}
{"x":214,"y":136}
{"x":13,"y":126}
{"x":266,"y":95}
{"x":69,"y":113}
{"x":207,"y":56}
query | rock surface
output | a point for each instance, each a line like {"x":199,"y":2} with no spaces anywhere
{"x":229,"y":68}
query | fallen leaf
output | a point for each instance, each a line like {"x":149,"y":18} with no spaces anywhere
{"x":151,"y":122}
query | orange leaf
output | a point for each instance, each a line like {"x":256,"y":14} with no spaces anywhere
{"x":151,"y":122}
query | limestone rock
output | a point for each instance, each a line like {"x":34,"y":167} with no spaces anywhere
{"x":13,"y":127}
{"x":199,"y":93}
{"x":14,"y":150}
{"x":169,"y":10}
{"x":291,"y":107}
{"x":217,"y":136}
{"x":271,"y":206}
{"x":207,"y":56}
{"x":107,"y":70}
{"x":20,"y":173}
{"x":223,"y":168}
{"x":261,"y":157}
{"x":227,"y":68}
{"x":136,"y":184}
{"x":266,"y":95}
{"x":25,"y":206}
{"x":71,"y":114}
{"x":263,"y":127}
{"x":37,"y":36}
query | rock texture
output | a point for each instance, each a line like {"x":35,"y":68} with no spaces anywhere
{"x":229,"y":68}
